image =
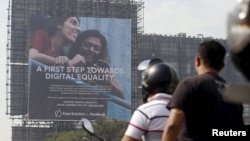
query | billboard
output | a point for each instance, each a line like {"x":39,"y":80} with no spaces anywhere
{"x":79,"y":67}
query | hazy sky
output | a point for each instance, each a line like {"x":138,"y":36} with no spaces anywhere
{"x":207,"y":17}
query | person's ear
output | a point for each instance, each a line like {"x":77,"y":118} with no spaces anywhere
{"x":197,"y":61}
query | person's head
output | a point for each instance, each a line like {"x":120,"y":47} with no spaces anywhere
{"x":92,"y":45}
{"x":158,"y":77}
{"x":211,"y":54}
{"x":66,"y":27}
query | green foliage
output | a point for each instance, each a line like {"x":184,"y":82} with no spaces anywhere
{"x":110,"y":129}
{"x":106,"y":128}
{"x":75,"y":135}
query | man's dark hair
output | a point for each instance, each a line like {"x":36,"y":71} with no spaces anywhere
{"x":82,"y":37}
{"x":212,"y":53}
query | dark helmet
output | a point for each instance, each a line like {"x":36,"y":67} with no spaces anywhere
{"x":158,"y":77}
{"x":238,"y":28}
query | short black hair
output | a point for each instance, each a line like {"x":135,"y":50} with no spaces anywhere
{"x":212,"y":53}
{"x":82,"y":36}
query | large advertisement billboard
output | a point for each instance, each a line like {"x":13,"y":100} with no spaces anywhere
{"x":79,"y":67}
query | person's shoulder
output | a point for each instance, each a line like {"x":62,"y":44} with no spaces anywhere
{"x":141,"y":107}
{"x":41,"y":32}
{"x":190,"y":79}
{"x":146,"y":106}
{"x":40,"y":35}
{"x":202,"y":77}
{"x":194,"y":81}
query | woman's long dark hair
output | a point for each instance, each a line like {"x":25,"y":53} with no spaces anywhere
{"x":56,"y":21}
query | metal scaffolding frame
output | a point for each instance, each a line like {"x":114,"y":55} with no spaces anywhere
{"x":178,"y":50}
{"x":18,"y":46}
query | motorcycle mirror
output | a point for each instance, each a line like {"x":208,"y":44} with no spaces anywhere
{"x":87,"y":126}
{"x":143,"y":65}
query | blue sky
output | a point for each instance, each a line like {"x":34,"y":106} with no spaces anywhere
{"x":207,"y":17}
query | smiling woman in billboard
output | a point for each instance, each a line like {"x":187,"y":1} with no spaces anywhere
{"x":49,"y":46}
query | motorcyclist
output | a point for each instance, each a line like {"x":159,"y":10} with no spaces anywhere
{"x":158,"y":83}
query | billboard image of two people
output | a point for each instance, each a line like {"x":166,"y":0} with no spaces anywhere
{"x":79,"y":67}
